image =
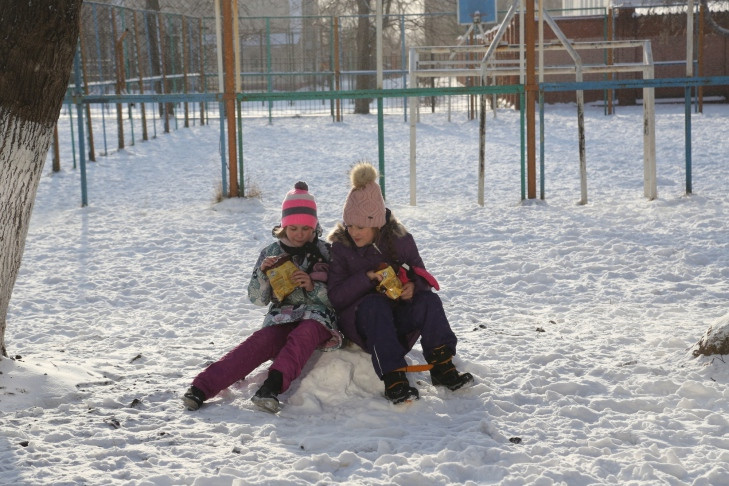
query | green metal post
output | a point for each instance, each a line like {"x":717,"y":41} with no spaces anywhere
{"x":269,"y":68}
{"x":541,"y":144}
{"x":223,"y":161}
{"x":687,"y":142}
{"x":332,"y":76}
{"x":126,"y":69}
{"x":241,"y":187}
{"x":381,"y":143}
{"x":403,"y":63}
{"x":78,"y":91}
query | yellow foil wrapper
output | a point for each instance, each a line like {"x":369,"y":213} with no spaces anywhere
{"x":281,"y":279}
{"x":390,"y":285}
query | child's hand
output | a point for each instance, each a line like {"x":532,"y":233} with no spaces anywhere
{"x":303,"y":280}
{"x":267,"y":263}
{"x":408,"y":288}
{"x":374,"y":277}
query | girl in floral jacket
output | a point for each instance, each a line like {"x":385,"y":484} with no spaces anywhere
{"x":295,"y":325}
{"x":387,"y":325}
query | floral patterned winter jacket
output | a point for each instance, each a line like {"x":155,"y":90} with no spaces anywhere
{"x":300,"y":304}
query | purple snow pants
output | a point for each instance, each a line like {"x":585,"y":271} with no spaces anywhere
{"x":383,"y":325}
{"x":289,"y":346}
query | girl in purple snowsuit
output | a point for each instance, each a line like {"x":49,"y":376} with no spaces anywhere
{"x":370,"y":239}
{"x":294,"y":326}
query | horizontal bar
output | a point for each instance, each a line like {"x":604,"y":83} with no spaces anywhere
{"x":402,"y":92}
{"x":636,"y":83}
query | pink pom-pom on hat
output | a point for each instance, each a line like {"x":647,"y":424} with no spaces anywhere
{"x":299,"y":207}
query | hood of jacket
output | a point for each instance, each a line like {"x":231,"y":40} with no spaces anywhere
{"x":340,"y":235}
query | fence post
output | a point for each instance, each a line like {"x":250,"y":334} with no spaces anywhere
{"x":56,"y":150}
{"x":481,"y":148}
{"x":229,"y":94}
{"x":337,"y":69}
{"x":80,"y":111}
{"x":163,"y":61}
{"x":92,"y":152}
{"x":201,"y":63}
{"x":99,"y":57}
{"x":140,"y":73}
{"x":119,"y":57}
{"x":687,"y":123}
{"x":185,"y":66}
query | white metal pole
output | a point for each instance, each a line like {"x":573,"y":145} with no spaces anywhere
{"x":412,"y":107}
{"x":481,"y":149}
{"x":522,"y":62}
{"x":541,"y":40}
{"x":690,"y":39}
{"x":650,"y":189}
{"x":219,"y":38}
{"x":379,"y":44}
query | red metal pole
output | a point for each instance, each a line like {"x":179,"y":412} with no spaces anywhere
{"x":531,"y":99}
{"x":229,"y":94}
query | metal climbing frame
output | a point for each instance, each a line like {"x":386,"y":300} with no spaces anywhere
{"x":500,"y":59}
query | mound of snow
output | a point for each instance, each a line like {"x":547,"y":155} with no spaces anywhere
{"x":27,"y":384}
{"x":716,"y":339}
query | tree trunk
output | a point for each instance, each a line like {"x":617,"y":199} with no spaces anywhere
{"x":37,"y":46}
{"x":365,"y":55}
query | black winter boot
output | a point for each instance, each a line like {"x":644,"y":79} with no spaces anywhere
{"x":397,"y":387}
{"x":444,"y":372}
{"x":266,"y":398}
{"x":193,"y":398}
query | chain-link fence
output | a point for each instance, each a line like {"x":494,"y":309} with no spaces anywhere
{"x":171,"y":47}
{"x":130,"y":49}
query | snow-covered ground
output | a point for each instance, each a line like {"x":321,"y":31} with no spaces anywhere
{"x":577,"y":321}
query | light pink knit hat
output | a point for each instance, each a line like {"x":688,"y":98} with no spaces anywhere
{"x":299,"y":207}
{"x":364,"y":206}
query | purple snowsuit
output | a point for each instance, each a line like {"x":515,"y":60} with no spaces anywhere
{"x":384,"y":328}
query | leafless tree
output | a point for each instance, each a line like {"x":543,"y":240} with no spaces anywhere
{"x":415,"y":25}
{"x":37,"y":46}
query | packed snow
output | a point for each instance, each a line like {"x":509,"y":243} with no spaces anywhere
{"x":577,"y":321}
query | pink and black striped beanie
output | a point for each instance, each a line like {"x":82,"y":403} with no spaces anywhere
{"x":299,"y":207}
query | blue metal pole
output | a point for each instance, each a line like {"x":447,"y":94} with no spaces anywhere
{"x":80,"y":110}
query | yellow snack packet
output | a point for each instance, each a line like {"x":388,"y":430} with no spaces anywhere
{"x":390,"y":285}
{"x":280,"y":277}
